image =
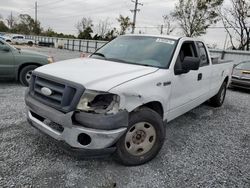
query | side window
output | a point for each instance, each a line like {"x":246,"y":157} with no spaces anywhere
{"x":187,"y":49}
{"x":203,"y":54}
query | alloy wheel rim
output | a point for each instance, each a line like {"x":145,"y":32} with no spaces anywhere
{"x":28,"y":76}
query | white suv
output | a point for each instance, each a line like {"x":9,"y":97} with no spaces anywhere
{"x":20,"y":39}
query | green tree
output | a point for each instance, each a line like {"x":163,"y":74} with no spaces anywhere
{"x":195,"y":16}
{"x":125,"y":23}
{"x":51,"y":33}
{"x":86,"y":33}
{"x":83,"y":24}
{"x":111,"y":34}
{"x":235,"y":18}
{"x":3,"y":27}
{"x":27,"y":25}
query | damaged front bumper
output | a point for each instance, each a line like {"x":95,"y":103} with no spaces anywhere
{"x":89,"y":133}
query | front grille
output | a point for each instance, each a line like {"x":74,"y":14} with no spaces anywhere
{"x":64,"y":97}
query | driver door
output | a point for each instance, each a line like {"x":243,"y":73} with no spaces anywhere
{"x":184,"y":86}
{"x":6,"y":61}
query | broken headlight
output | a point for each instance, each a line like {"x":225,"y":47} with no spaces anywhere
{"x":99,"y":102}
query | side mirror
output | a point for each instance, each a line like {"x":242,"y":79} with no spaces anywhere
{"x":189,"y":63}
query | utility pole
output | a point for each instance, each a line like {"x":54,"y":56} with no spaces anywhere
{"x":36,"y":28}
{"x":248,"y":31}
{"x":11,"y":20}
{"x":135,"y":12}
{"x":161,"y":29}
{"x":36,"y":13}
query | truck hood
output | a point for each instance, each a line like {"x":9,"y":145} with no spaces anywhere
{"x":95,"y":74}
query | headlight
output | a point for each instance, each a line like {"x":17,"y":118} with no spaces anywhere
{"x":50,"y":60}
{"x":99,"y":102}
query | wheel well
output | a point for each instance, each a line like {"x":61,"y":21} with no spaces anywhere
{"x":226,"y":79}
{"x":25,"y":65}
{"x":156,"y":106}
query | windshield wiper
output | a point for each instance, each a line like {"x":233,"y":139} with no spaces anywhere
{"x":99,"y":54}
{"x":119,"y":60}
{"x":128,"y":62}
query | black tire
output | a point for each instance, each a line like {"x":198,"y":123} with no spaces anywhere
{"x":144,"y":115}
{"x":30,"y":43}
{"x":218,"y":99}
{"x":25,"y":73}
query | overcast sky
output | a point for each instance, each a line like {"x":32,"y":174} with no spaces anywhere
{"x":62,"y":15}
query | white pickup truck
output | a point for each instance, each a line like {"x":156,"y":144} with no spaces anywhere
{"x":118,"y":99}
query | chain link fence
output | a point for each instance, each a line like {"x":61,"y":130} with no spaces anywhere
{"x":88,"y":46}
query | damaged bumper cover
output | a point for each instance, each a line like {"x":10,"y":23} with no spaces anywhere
{"x":82,"y":132}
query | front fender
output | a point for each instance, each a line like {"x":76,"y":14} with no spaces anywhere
{"x":149,"y":88}
{"x":21,"y":65}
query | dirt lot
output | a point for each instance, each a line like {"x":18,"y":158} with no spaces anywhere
{"x":206,"y":147}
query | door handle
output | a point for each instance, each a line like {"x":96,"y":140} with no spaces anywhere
{"x":199,"y":76}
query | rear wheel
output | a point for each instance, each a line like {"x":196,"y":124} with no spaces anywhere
{"x":143,"y":140}
{"x":219,"y":98}
{"x":25,"y":74}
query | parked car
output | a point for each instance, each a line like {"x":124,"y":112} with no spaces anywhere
{"x":116,"y":100}
{"x":18,"y":64}
{"x":6,"y":38}
{"x":20,"y":39}
{"x":241,"y":75}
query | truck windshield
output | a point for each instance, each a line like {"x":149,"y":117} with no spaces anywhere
{"x":140,"y":50}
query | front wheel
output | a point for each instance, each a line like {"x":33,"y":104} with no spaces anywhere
{"x":143,"y":139}
{"x":25,"y":74}
{"x":218,"y":99}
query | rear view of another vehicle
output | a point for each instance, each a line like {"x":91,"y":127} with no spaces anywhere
{"x":241,"y":75}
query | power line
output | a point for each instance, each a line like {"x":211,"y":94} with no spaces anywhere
{"x":135,"y":12}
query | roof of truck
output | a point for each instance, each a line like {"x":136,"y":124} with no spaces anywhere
{"x":166,"y":36}
{"x":162,"y":36}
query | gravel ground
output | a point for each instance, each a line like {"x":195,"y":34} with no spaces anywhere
{"x":206,"y":147}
